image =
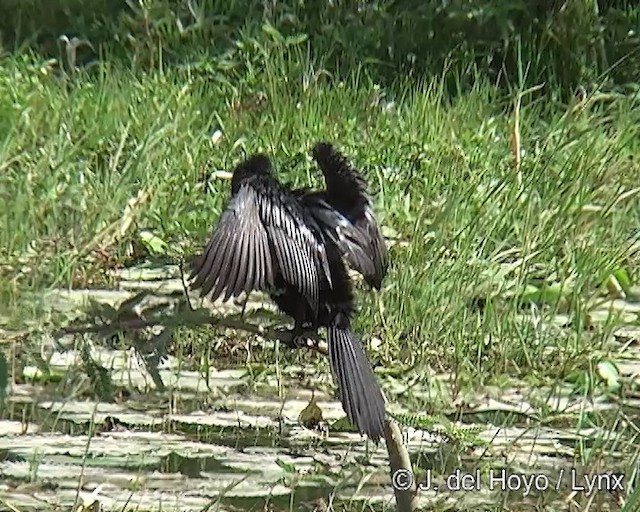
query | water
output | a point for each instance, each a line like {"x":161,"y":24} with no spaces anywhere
{"x":229,"y":439}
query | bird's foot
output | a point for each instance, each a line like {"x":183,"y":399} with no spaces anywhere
{"x":295,"y":341}
{"x":295,"y":338}
{"x":287,"y":337}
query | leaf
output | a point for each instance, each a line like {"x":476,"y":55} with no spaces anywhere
{"x":608,"y":372}
{"x":154,"y":244}
{"x":531,"y":293}
{"x":295,"y":40}
{"x":287,"y":466}
{"x":633,"y":501}
{"x":270,"y":30}
{"x":423,"y":421}
{"x":311,"y":415}
{"x":553,"y":294}
{"x":343,"y":425}
{"x":619,"y":283}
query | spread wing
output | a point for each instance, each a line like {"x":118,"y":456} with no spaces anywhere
{"x":380,"y":255}
{"x":350,"y":240}
{"x":261,"y":234}
{"x":347,"y":193}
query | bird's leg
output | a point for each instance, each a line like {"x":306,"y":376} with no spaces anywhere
{"x":296,"y":307}
{"x":302,"y":329}
{"x":295,"y":337}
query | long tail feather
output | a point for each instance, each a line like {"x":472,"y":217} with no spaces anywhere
{"x":358,"y":388}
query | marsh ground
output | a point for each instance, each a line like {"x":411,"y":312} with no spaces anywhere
{"x":507,"y":334}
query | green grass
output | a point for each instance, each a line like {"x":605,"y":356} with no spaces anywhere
{"x":469,"y":228}
{"x":442,"y":173}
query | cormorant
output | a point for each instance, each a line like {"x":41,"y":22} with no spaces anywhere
{"x":264,"y":234}
{"x":346,"y":191}
{"x":291,"y":243}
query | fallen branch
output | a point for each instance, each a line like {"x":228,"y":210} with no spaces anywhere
{"x":137,"y":322}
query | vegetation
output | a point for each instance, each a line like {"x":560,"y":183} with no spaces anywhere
{"x":501,"y":140}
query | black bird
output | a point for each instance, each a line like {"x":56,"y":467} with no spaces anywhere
{"x":263,"y":236}
{"x":291,"y":243}
{"x":345,"y":198}
{"x":346,"y":191}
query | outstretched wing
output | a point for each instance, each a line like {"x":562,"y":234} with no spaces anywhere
{"x":260,"y":234}
{"x":350,"y":240}
{"x":297,"y":244}
{"x":237,"y":257}
{"x":380,"y":255}
{"x":347,"y":192}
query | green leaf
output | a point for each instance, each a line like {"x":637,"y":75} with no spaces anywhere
{"x":633,"y":501}
{"x":295,"y":40}
{"x":287,"y":466}
{"x":154,"y":244}
{"x":609,"y":374}
{"x":270,"y":30}
{"x":553,"y":294}
{"x":619,"y":283}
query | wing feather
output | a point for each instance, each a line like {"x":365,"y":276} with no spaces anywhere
{"x":216,"y":251}
{"x":262,"y":232}
{"x":237,"y":257}
{"x":245,"y":279}
{"x":378,"y":246}
{"x":298,"y":249}
{"x":296,"y":264}
{"x":352,"y":241}
{"x":231,"y":256}
{"x":347,"y":193}
{"x":204,"y":263}
{"x":239,"y":265}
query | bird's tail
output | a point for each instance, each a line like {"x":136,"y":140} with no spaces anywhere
{"x":358,"y":388}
